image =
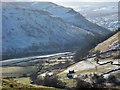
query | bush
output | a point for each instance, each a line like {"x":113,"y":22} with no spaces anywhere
{"x":98,"y":79}
{"x":51,"y":81}
{"x":82,"y":84}
{"x":112,"y":79}
{"x":33,"y":76}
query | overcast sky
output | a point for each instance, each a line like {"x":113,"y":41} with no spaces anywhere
{"x":68,"y":0}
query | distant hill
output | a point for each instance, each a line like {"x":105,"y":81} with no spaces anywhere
{"x":44,"y":28}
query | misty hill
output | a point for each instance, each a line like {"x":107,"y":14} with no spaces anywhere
{"x":43,"y":28}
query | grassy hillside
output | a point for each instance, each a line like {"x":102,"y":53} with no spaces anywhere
{"x":104,"y":46}
{"x":16,"y":85}
{"x":82,"y":69}
{"x":16,"y":71}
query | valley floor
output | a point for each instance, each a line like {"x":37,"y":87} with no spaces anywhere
{"x":53,"y":64}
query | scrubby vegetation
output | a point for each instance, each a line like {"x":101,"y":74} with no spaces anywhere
{"x":48,"y":80}
{"x":9,"y":84}
{"x":98,"y":82}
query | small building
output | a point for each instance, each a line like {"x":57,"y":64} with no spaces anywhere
{"x":70,"y":76}
{"x":71,"y":72}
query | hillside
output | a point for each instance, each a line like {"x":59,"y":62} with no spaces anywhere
{"x":105,"y":65}
{"x":16,"y":85}
{"x":67,"y":14}
{"x":44,"y":28}
{"x":109,"y":44}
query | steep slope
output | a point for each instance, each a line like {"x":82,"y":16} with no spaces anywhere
{"x":31,"y":31}
{"x":67,"y":14}
{"x":37,"y":30}
{"x":16,"y":85}
{"x":112,"y":43}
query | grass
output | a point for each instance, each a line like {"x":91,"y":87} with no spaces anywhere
{"x":117,"y":75}
{"x":69,"y":82}
{"x":104,"y":46}
{"x":14,"y":85}
{"x":100,"y":69}
{"x":62,"y":75}
{"x":25,"y":80}
{"x":16,"y":70}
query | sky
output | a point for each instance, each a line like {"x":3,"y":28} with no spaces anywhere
{"x":66,"y":0}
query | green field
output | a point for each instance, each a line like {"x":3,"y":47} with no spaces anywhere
{"x":16,"y":71}
{"x":25,"y":80}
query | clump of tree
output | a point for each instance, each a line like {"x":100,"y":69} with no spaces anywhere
{"x":33,"y":77}
{"x":98,"y":53}
{"x":97,"y":84}
{"x":50,"y":81}
{"x":82,"y":84}
{"x":112,"y":79}
{"x":97,"y":79}
{"x":53,"y":81}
